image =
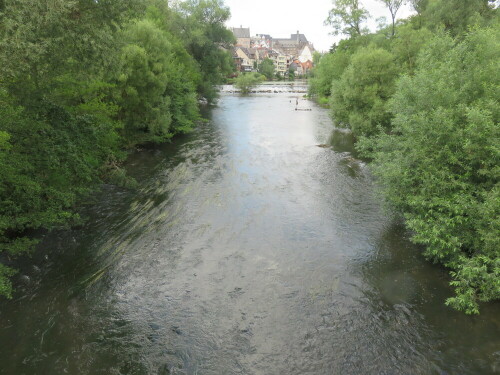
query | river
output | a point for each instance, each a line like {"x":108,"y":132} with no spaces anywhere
{"x":246,"y":249}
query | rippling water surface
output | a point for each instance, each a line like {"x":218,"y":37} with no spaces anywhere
{"x":247,"y":249}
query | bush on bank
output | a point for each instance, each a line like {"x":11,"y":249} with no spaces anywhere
{"x":83,"y":81}
{"x":423,"y":105}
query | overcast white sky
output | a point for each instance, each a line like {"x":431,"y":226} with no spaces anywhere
{"x":280,"y":18}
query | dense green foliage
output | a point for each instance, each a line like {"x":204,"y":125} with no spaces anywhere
{"x":266,"y":68}
{"x":81,"y":82}
{"x":245,"y":82}
{"x":200,"y":24}
{"x":331,"y":68}
{"x":423,"y":104}
{"x":359,"y":97}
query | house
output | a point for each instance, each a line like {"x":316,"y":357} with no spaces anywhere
{"x":281,"y":64}
{"x":263,"y":53}
{"x":280,"y":60}
{"x":254,"y":55}
{"x":307,"y":66}
{"x":242,"y":35}
{"x":296,"y":66}
{"x":305,"y":54}
{"x":238,"y":62}
{"x":247,"y":56}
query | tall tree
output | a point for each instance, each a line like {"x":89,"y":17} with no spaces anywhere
{"x":266,"y":67}
{"x":393,"y":6}
{"x":201,"y":27}
{"x":346,"y":17}
{"x":359,"y":97}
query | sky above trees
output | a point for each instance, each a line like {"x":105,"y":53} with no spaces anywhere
{"x":280,"y":18}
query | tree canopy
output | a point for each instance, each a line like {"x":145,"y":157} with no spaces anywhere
{"x":266,"y":68}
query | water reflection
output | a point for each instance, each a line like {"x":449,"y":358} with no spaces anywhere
{"x":342,"y":140}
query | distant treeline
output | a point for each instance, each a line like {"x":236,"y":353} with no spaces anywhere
{"x":82,"y":81}
{"x":422,"y":99}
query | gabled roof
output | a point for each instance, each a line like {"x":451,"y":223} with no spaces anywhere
{"x":249,"y":52}
{"x":242,"y":49}
{"x":252,"y":53}
{"x":241,"y":32}
{"x":303,"y":48}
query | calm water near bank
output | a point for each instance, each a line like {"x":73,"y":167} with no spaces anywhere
{"x":247,"y":249}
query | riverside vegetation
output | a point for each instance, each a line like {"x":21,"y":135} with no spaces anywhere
{"x":246,"y":82}
{"x":83,"y":81}
{"x":421,"y":98}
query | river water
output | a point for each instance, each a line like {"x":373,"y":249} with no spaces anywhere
{"x":246,"y":249}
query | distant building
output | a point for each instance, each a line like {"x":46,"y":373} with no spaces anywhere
{"x":292,"y":46}
{"x":245,"y":58}
{"x":281,"y":64}
{"x":242,"y":35}
{"x":307,"y":66}
{"x":249,"y":51}
{"x":296,"y":67}
{"x":238,"y":62}
{"x":262,"y":41}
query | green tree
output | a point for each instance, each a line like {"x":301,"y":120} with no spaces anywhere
{"x":440,"y":164}
{"x":47,"y":162}
{"x":142,"y":80}
{"x":407,"y":45}
{"x":419,"y":5}
{"x":44,"y":40}
{"x":330,"y":67}
{"x":359,"y":98}
{"x":154,"y":94}
{"x":245,"y":82}
{"x":316,"y":57}
{"x":393,"y":6}
{"x":266,"y":67}
{"x":347,"y":17}
{"x":202,"y":29}
{"x":457,"y":15}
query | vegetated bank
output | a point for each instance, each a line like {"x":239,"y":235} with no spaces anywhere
{"x":83,"y":81}
{"x":421,"y":98}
